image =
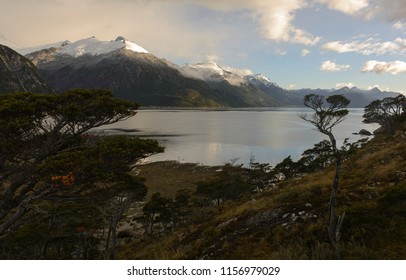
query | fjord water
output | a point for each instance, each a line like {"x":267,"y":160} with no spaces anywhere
{"x":213,"y":137}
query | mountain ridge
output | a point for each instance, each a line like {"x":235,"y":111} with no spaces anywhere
{"x":18,"y":73}
{"x":131,"y":72}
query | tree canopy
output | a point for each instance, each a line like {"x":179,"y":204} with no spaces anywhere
{"x":385,"y":111}
{"x":50,"y":152}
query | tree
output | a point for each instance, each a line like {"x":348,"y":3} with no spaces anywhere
{"x":261,"y":176}
{"x":316,"y":158}
{"x":44,"y":137}
{"x":327,"y":114}
{"x":287,"y":167}
{"x":157,"y":211}
{"x":132,"y":189}
{"x":230,"y":184}
{"x":385,"y":112}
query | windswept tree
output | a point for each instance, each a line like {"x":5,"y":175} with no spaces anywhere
{"x":48,"y":152}
{"x":329,"y":112}
{"x":385,"y":111}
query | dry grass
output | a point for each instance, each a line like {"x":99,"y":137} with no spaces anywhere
{"x":372,"y":193}
{"x":170,"y":176}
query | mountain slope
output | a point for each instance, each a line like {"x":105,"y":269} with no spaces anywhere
{"x":18,"y":74}
{"x":133,"y":73}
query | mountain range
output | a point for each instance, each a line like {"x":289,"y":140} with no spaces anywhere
{"x":132,"y":73}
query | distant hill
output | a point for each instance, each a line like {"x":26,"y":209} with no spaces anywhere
{"x":18,"y":74}
{"x":359,"y":97}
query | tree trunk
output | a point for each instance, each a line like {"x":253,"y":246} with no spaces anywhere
{"x":113,"y":248}
{"x":334,"y":228}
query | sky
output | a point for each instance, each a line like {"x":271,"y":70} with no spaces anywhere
{"x":296,"y":43}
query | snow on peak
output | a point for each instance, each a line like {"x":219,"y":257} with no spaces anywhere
{"x":212,"y":71}
{"x":93,"y":46}
{"x":259,"y":80}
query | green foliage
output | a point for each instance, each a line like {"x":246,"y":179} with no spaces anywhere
{"x":385,"y":112}
{"x":157,"y":211}
{"x":327,"y":113}
{"x":287,"y":167}
{"x":49,"y":156}
{"x":261,"y":176}
{"x":231,"y":183}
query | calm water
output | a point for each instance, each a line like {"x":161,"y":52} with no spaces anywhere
{"x":216,"y":137}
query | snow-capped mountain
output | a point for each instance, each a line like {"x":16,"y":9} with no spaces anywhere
{"x":212,"y":72}
{"x":131,"y":72}
{"x":259,"y":80}
{"x":91,"y":46}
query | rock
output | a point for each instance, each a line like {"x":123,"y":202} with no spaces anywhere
{"x":285,"y":215}
{"x":301,"y":213}
{"x":364,"y":132}
{"x":226,"y":223}
{"x":265,"y":218}
{"x":308,"y":205}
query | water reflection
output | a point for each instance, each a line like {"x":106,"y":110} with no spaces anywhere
{"x":215,"y":137}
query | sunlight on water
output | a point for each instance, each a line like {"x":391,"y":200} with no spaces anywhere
{"x":215,"y":137}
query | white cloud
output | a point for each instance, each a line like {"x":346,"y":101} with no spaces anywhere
{"x":350,"y":7}
{"x":399,"y":25}
{"x":238,"y":71}
{"x":305,"y":52}
{"x":212,"y":57}
{"x":331,"y":66}
{"x":291,"y":86}
{"x":280,"y":52}
{"x":367,"y":47}
{"x":274,"y":17}
{"x":341,"y":85}
{"x":379,"y":67}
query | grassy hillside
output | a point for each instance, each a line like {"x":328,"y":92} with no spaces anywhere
{"x":289,"y":220}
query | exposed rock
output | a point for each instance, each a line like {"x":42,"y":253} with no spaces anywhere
{"x":226,"y":223}
{"x":265,"y":218}
{"x":364,"y":132}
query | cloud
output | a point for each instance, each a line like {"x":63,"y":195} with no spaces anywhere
{"x":379,"y":67}
{"x":399,"y":25}
{"x":341,"y":85}
{"x":350,"y":7}
{"x":367,"y":47}
{"x":393,"y":10}
{"x":274,"y":17}
{"x":331,"y":66}
{"x":280,"y":52}
{"x":305,"y":52}
{"x":238,"y":71}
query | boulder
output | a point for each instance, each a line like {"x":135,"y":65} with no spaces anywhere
{"x":364,"y":132}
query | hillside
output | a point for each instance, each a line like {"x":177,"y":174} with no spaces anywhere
{"x":18,"y":74}
{"x":289,"y":221}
